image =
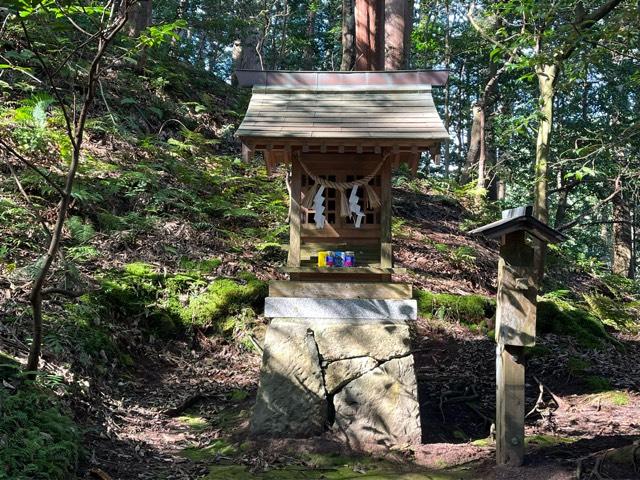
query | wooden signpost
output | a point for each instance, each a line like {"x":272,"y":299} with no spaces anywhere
{"x":515,"y":323}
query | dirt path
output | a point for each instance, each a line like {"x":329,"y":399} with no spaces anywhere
{"x":135,"y":434}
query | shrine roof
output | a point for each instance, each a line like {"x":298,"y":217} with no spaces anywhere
{"x":520,"y":219}
{"x":386,"y":107}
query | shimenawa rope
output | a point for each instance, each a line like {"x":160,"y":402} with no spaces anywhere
{"x":373,"y":201}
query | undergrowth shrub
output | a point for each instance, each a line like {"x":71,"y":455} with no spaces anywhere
{"x":79,"y":337}
{"x":38,"y":439}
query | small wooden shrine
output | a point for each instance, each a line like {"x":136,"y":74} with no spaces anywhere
{"x":337,"y":352}
{"x":342,"y":133}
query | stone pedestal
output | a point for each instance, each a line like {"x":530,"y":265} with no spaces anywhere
{"x":353,"y":375}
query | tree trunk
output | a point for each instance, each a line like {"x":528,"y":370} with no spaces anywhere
{"x":398,"y":20}
{"x":369,"y":19}
{"x":308,"y":55}
{"x":492,"y":180}
{"x":447,"y":91}
{"x":546,"y":81}
{"x":236,"y":60}
{"x":283,"y":39}
{"x":634,"y":238}
{"x":479,"y":143}
{"x":348,"y":35}
{"x":244,"y":54}
{"x":139,"y":18}
{"x":563,"y":200}
{"x":475,"y":141}
{"x":75,"y":134}
{"x":621,"y":263}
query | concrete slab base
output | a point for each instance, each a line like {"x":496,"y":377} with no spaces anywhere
{"x":304,"y":307}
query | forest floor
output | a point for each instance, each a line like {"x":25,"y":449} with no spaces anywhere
{"x":184,"y":414}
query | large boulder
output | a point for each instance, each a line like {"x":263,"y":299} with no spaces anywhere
{"x":292,"y":398}
{"x":353,"y":376}
{"x":380,"y":407}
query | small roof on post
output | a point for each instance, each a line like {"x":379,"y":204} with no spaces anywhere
{"x":519,"y":219}
{"x":392,"y":109}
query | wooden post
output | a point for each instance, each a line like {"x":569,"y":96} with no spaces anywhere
{"x":509,"y":405}
{"x":386,"y":248}
{"x":515,"y":328}
{"x":294,"y":222}
{"x":515,"y":322}
{"x":516,"y":298}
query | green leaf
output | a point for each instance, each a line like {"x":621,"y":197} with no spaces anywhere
{"x":495,"y":53}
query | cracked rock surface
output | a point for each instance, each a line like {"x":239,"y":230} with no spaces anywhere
{"x":354,"y":378}
{"x":292,"y":400}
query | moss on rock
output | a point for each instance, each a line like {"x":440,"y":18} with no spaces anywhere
{"x":168,"y":303}
{"x":558,"y":316}
{"x":614,"y":313}
{"x":223,"y":298}
{"x":466,"y":309}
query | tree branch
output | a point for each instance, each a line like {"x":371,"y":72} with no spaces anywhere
{"x":585,"y":24}
{"x":52,"y":84}
{"x":582,"y":214}
{"x":29,"y":202}
{"x":21,"y":158}
{"x":64,"y":292}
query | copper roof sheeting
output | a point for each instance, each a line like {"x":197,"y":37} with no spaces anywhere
{"x":381,"y":106}
{"x":280,"y":78}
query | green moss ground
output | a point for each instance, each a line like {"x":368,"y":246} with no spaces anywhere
{"x":337,"y":467}
{"x":169,"y":303}
{"x":613,"y":397}
{"x":540,"y":441}
{"x":194,"y":421}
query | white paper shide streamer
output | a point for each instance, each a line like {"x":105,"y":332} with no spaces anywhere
{"x":354,"y":208}
{"x":318,"y":207}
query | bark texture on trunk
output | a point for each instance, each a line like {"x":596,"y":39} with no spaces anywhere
{"x":546,"y":74}
{"x":348,"y":35}
{"x":369,"y":15}
{"x":475,"y":140}
{"x":398,"y":20}
{"x":621,"y":260}
{"x":139,"y":18}
{"x":309,"y":50}
{"x":563,"y":199}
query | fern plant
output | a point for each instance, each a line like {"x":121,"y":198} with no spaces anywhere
{"x":81,"y":231}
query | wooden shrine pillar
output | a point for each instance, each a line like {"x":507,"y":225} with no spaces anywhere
{"x":369,"y":16}
{"x":293,"y":259}
{"x":386,"y":245}
{"x":515,"y":323}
